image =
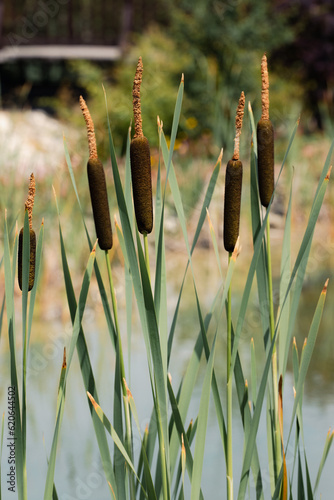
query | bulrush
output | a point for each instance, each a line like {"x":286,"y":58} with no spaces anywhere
{"x":97,"y":186}
{"x":233,"y":185}
{"x":140,"y":158}
{"x":265,"y":142}
{"x":28,"y":207}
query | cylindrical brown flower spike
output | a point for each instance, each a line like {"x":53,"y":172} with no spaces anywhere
{"x":28,"y":206}
{"x":233,"y":185}
{"x":97,"y":186}
{"x":265,"y":143}
{"x":140,"y":159}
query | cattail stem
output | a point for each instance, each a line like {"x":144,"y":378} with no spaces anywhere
{"x":277,"y":441}
{"x":147,"y":259}
{"x":229,"y":378}
{"x":119,"y":353}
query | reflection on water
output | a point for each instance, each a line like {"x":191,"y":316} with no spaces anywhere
{"x":78,"y":469}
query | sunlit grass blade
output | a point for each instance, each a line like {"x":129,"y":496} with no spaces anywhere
{"x":141,"y":458}
{"x":73,"y":342}
{"x":180,"y":475}
{"x":247,"y":290}
{"x":183,"y":463}
{"x":250,"y":443}
{"x":284,"y":491}
{"x":149,"y":486}
{"x":214,"y":242}
{"x":179,"y":208}
{"x":246,"y":418}
{"x":86,"y":367}
{"x":49,"y":484}
{"x":284,"y":344}
{"x":206,"y":204}
{"x":328,"y":444}
{"x":128,"y":281}
{"x":181,"y":431}
{"x":189,"y":379}
{"x":160,"y":377}
{"x":207,"y":199}
{"x":160,"y":291}
{"x":300,"y":485}
{"x":299,"y":269}
{"x":175,"y":192}
{"x":324,"y":172}
{"x":175,"y":124}
{"x":306,"y":358}
{"x":253,"y":373}
{"x":201,"y":426}
{"x":308,"y":479}
{"x":112,"y":433}
{"x":120,"y":471}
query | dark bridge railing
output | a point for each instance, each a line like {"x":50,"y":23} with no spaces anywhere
{"x":74,"y":22}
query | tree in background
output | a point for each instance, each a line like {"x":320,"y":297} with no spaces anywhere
{"x":310,"y":54}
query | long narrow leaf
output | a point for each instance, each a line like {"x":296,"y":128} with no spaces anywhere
{"x":201,"y":427}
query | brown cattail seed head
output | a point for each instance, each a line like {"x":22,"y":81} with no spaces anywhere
{"x":238,"y":125}
{"x":265,"y":142}
{"x":140,"y":159}
{"x":30,"y":199}
{"x":265,"y":88}
{"x":265,"y":160}
{"x":232,"y":202}
{"x":100,"y":205}
{"x":97,"y":185}
{"x":90,"y":128}
{"x":136,"y":99}
{"x":141,"y":183}
{"x":31,"y":278}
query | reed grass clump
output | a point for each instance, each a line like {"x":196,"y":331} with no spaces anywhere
{"x":97,"y":186}
{"x":265,"y":142}
{"x":233,"y":186}
{"x":28,"y":206}
{"x":140,"y":159}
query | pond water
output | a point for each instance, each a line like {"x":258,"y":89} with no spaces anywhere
{"x":78,"y":468}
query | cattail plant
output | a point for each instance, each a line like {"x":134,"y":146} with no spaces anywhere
{"x":28,"y":207}
{"x":141,"y":163}
{"x":265,"y":161}
{"x":100,"y":206}
{"x":233,"y":184}
{"x":232,"y":202}
{"x":97,"y":186}
{"x":265,"y":142}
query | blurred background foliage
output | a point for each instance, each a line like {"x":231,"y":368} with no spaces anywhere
{"x":218,"y":46}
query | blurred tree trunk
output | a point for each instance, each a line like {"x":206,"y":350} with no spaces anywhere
{"x":126,"y":22}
